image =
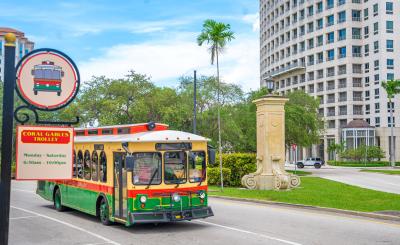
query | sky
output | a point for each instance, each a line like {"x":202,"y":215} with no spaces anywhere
{"x":152,"y":37}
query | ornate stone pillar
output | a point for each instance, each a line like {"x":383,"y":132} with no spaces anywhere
{"x":270,"y":172}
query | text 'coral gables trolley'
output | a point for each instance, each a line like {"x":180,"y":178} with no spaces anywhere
{"x":141,"y":173}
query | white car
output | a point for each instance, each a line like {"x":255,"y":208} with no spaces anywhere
{"x":311,"y":161}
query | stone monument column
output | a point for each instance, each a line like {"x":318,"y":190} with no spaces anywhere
{"x":270,"y":172}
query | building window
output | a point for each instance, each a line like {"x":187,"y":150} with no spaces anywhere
{"x":389,"y":45}
{"x":330,"y":37}
{"x":389,"y":8}
{"x":366,"y":14}
{"x":390,"y":64}
{"x":366,"y":32}
{"x":329,"y":4}
{"x":356,"y":33}
{"x":86,"y":165}
{"x":390,"y":76}
{"x":377,"y":108}
{"x":366,"y":67}
{"x":389,"y":26}
{"x":320,"y":24}
{"x":377,"y":93}
{"x":356,"y":15}
{"x":376,"y":46}
{"x":390,"y":106}
{"x":390,"y":123}
{"x":376,"y":65}
{"x":375,"y":8}
{"x":366,"y":81}
{"x":103,"y":167}
{"x":330,"y":20}
{"x":366,"y":49}
{"x":342,"y":17}
{"x":342,"y":53}
{"x":320,"y":40}
{"x":376,"y":28}
{"x":376,"y":79}
{"x":330,"y":54}
{"x":342,"y":34}
{"x":320,"y":7}
{"x":367,"y":109}
{"x":356,"y":51}
{"x":377,"y":121}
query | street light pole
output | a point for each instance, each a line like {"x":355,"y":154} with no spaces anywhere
{"x":194,"y":102}
{"x":7,"y":135}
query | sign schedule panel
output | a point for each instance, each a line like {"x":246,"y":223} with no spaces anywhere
{"x":44,"y":152}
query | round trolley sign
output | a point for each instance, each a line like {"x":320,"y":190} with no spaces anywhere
{"x":47,"y":79}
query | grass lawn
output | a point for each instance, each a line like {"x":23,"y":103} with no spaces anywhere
{"x":323,"y":193}
{"x":299,"y":173}
{"x":391,"y":172}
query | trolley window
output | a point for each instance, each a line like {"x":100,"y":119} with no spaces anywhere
{"x":86,"y":165}
{"x":175,"y":167}
{"x":74,"y":165}
{"x":79,"y":165}
{"x":95,"y":166}
{"x":103,"y":167}
{"x":147,"y":168}
{"x":197,"y":166}
{"x":173,"y":146}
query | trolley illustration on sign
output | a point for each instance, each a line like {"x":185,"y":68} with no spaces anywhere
{"x":47,"y":78}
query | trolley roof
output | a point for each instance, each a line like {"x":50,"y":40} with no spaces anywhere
{"x":162,"y":136}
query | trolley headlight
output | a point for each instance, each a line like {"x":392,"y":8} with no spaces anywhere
{"x":143,"y":199}
{"x":202,"y":195}
{"x":176,"y":197}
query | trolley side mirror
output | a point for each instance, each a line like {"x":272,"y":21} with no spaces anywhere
{"x":211,"y":155}
{"x":129,"y":163}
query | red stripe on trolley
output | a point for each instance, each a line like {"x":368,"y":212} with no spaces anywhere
{"x":88,"y":186}
{"x":163,"y":192}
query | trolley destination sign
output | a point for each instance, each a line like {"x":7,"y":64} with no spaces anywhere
{"x":44,"y":152}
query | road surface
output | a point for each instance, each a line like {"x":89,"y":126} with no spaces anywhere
{"x":34,"y":221}
{"x":353,"y":176}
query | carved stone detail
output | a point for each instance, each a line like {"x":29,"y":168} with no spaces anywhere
{"x":270,"y":173}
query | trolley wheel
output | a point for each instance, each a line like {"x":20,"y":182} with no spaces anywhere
{"x":35,"y":92}
{"x":104,"y":212}
{"x":57,"y":201}
{"x":58,"y":93}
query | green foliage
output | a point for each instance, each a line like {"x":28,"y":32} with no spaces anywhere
{"x":361,"y":163}
{"x":240,"y":164}
{"x":217,"y":35}
{"x":214,"y":178}
{"x":392,"y":88}
{"x":368,"y":153}
{"x":322,"y":193}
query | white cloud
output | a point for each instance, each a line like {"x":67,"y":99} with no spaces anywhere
{"x":165,"y":61}
{"x":254,"y":20}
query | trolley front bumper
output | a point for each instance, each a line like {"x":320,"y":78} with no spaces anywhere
{"x":170,"y":216}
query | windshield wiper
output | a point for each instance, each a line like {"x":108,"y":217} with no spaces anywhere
{"x":151,"y":179}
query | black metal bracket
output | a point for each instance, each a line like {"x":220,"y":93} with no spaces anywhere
{"x":23,"y":117}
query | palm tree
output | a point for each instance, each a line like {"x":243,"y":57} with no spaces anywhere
{"x":217,"y":35}
{"x":392,"y":88}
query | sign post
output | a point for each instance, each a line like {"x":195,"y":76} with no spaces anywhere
{"x":294,"y":148}
{"x":7,"y":135}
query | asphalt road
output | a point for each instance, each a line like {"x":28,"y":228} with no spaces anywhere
{"x":353,"y":176}
{"x":34,"y":221}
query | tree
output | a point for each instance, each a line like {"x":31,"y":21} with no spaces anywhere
{"x":303,"y":125}
{"x":217,"y":34}
{"x":392,"y":88}
{"x":336,"y":148}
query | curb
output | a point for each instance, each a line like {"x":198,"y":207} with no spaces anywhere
{"x":315,"y":208}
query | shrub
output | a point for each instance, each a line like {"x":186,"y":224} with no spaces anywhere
{"x":361,"y":163}
{"x":213,"y":175}
{"x":362,"y":152}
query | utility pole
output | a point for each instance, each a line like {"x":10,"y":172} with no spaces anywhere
{"x":194,"y":102}
{"x":7,"y":135}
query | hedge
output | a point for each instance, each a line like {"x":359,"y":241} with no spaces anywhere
{"x":361,"y":163}
{"x":214,"y":177}
{"x":239,"y":165}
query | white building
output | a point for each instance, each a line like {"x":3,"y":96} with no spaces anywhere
{"x":338,"y":51}
{"x":23,"y":46}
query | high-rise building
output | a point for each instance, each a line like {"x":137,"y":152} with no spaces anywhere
{"x":338,"y":51}
{"x":23,"y":46}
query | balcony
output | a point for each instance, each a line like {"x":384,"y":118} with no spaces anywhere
{"x":357,"y":71}
{"x":319,"y":44}
{"x":319,"y":61}
{"x":343,"y":98}
{"x":329,"y":24}
{"x":342,"y":112}
{"x":354,"y":18}
{"x":357,"y":98}
{"x":341,"y":20}
{"x":330,"y":100}
{"x":341,"y":56}
{"x":287,"y":69}
{"x":330,"y":74}
{"x":357,"y":85}
{"x":357,"y":112}
{"x":329,"y":58}
{"x":330,"y":41}
{"x":319,"y":89}
{"x":310,"y":63}
{"x":331,"y":114}
{"x":342,"y":72}
{"x":357,"y":55}
{"x":330,"y":87}
{"x":356,"y":36}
